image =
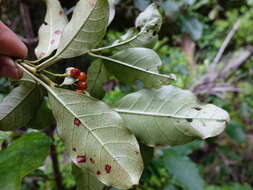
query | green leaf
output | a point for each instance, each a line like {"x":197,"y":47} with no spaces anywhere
{"x":51,"y":30}
{"x":149,"y":22}
{"x":21,"y":157}
{"x":43,"y":118}
{"x":85,"y":180}
{"x":236,"y":132}
{"x":149,"y":19}
{"x":18,"y":108}
{"x":145,"y":39}
{"x":170,"y":116}
{"x":96,"y":138}
{"x":135,"y":64}
{"x":4,"y":136}
{"x":169,"y":187}
{"x":171,"y":9}
{"x":184,"y":172}
{"x":188,"y":148}
{"x":86,"y":28}
{"x":192,"y":26}
{"x":234,"y":186}
{"x":97,"y":76}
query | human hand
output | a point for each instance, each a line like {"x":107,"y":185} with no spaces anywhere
{"x":10,"y":46}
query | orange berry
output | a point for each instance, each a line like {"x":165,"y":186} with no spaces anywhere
{"x":82,"y":76}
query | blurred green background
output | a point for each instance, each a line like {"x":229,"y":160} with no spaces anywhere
{"x":191,"y":36}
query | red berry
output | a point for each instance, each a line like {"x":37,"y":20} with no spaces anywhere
{"x":75,"y":73}
{"x":81,"y":85}
{"x":79,"y":91}
{"x":82,"y":77}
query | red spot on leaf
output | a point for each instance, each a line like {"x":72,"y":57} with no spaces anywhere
{"x":74,"y":149}
{"x":57,"y":32}
{"x":137,"y":153}
{"x":98,"y":172}
{"x":197,"y":108}
{"x":92,"y":160}
{"x":61,"y":12}
{"x":77,"y":122}
{"x":81,"y":159}
{"x":108,"y":168}
{"x":52,"y":42}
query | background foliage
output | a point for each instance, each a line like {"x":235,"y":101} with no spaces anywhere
{"x":192,"y":33}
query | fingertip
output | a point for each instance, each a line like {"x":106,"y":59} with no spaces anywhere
{"x":23,"y":50}
{"x":11,"y":44}
{"x":9,"y":69}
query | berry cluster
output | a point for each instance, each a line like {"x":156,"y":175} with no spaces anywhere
{"x":81,"y":80}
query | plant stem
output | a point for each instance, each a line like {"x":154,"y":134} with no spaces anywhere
{"x":55,"y":75}
{"x":116,"y":45}
{"x":28,"y":67}
{"x":33,"y":76}
{"x":55,"y":161}
{"x":47,"y":63}
{"x":51,"y":83}
{"x":225,"y":44}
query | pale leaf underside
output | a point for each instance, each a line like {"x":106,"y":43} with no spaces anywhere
{"x":96,"y":138}
{"x":135,"y":64}
{"x":145,"y":39}
{"x":98,"y":76}
{"x":86,"y":28}
{"x":18,"y":107}
{"x":85,"y":180}
{"x":170,"y":116}
{"x":51,"y":30}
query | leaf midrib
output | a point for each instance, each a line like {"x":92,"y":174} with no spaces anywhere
{"x":70,"y":42}
{"x":155,"y":114}
{"x":90,"y":131}
{"x":133,"y":67}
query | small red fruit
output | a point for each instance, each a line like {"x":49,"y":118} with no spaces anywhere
{"x":75,"y":73}
{"x":79,"y":91}
{"x":81,"y":85}
{"x":82,"y":77}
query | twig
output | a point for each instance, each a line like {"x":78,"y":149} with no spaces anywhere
{"x":55,"y":162}
{"x":26,"y":18}
{"x":29,"y":41}
{"x":238,"y":62}
{"x":225,"y":44}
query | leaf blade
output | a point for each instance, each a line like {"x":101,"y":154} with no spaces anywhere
{"x":51,"y":30}
{"x":170,"y":116}
{"x":14,"y":165}
{"x":104,"y":132}
{"x":85,"y":180}
{"x":18,"y":107}
{"x":97,"y":76}
{"x":184,"y":171}
{"x":135,"y":64}
{"x":86,"y":28}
